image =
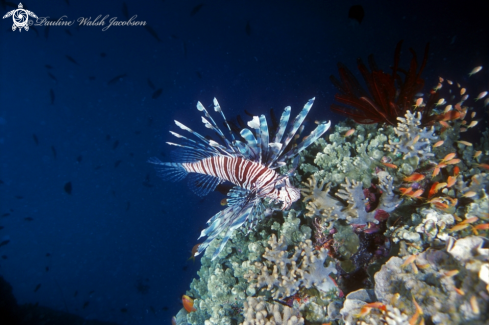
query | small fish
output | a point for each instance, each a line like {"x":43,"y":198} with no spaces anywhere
{"x":71,"y":59}
{"x":157,"y":93}
{"x":469,"y":194}
{"x":124,"y":310}
{"x":453,"y":161}
{"x":438,"y":87}
{"x":51,"y":94}
{"x":117,"y":163}
{"x":465,"y":97}
{"x":389,"y":165}
{"x":68,"y":188}
{"x":477,"y":153}
{"x":116,"y":79}
{"x":48,"y":66}
{"x":439,"y":186}
{"x":465,"y":143}
{"x":128,"y":205}
{"x":151,"y":85}
{"x":28,"y":219}
{"x":248,"y":28}
{"x":448,"y":108}
{"x":36,"y":140}
{"x":472,"y":115}
{"x":173,"y":321}
{"x":481,"y":95}
{"x":194,"y":251}
{"x":53,"y":150}
{"x":475,"y":70}
{"x":469,"y":220}
{"x":125,"y":12}
{"x":68,"y":32}
{"x":409,"y":260}
{"x":4,"y":242}
{"x":444,"y":124}
{"x":52,"y":76}
{"x":450,"y":82}
{"x":463,"y":129}
{"x":188,"y":304}
{"x":451,"y":181}
{"x":415,"y":140}
{"x":349,"y":132}
{"x":152,"y":32}
{"x":86,"y":304}
{"x":419,"y":102}
{"x":37,"y":287}
{"x":472,"y":124}
{"x":449,"y":156}
{"x":103,"y":55}
{"x":460,"y":292}
{"x":79,"y":159}
{"x":462,"y":91}
{"x":483,"y":226}
{"x":416,"y":177}
{"x":115,"y":145}
{"x":485,"y":166}
{"x":441,"y":101}
{"x":486,"y":102}
{"x":475,"y":305}
{"x":199,"y":75}
{"x":440,"y":79}
{"x":458,"y":227}
{"x":196,"y":9}
{"x":439,"y":143}
{"x":418,"y":193}
{"x":224,"y":202}
{"x":76,"y":293}
{"x":47,"y":268}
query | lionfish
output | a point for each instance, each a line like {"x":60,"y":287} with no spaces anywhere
{"x":249,"y":165}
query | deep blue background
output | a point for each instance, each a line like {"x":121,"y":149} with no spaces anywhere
{"x":95,"y":242}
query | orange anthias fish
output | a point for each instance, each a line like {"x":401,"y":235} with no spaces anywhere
{"x":389,"y":165}
{"x":188,"y":303}
{"x":194,"y":251}
{"x":416,"y":177}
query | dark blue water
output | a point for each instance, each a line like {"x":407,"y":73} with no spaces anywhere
{"x":121,"y":238}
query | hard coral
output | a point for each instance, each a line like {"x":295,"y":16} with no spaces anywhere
{"x":389,"y":95}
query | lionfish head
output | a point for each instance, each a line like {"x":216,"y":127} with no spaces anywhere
{"x":285,"y":192}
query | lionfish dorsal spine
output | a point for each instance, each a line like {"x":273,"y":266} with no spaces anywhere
{"x":217,"y":108}
{"x":264,"y":139}
{"x":298,"y":121}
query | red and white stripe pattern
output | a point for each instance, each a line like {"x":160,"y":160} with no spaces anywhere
{"x":244,"y":173}
{"x":248,"y":175}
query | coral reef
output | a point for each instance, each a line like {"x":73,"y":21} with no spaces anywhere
{"x":391,"y":229}
{"x":321,"y":203}
{"x":257,"y":311}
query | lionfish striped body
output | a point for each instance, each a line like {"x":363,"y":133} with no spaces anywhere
{"x":249,"y":165}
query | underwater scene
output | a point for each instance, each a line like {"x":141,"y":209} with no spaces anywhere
{"x":244,"y":162}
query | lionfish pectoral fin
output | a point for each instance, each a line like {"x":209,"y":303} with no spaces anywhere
{"x":295,"y":163}
{"x":202,"y":184}
{"x":169,"y":171}
{"x":241,"y":204}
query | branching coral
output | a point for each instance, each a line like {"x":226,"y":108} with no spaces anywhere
{"x":413,"y":141}
{"x":283,"y":273}
{"x":259,"y":312}
{"x":321,"y":203}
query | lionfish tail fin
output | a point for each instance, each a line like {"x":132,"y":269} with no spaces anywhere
{"x":169,"y":171}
